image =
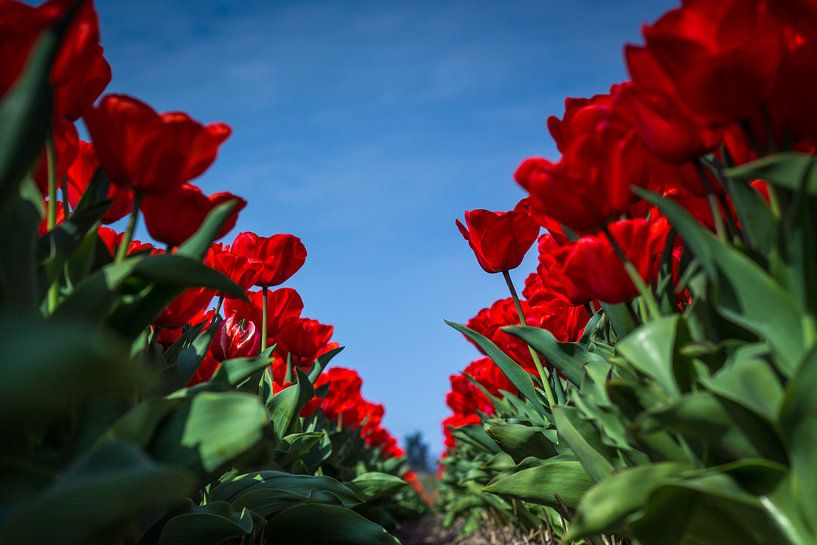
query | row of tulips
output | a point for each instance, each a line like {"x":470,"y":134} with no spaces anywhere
{"x":655,"y":382}
{"x":159,"y":394}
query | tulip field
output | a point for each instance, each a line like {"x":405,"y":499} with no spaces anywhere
{"x":652,"y":381}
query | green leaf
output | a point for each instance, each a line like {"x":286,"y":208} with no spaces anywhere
{"x":608,"y":503}
{"x":791,"y":170}
{"x":19,"y":220}
{"x":75,"y":360}
{"x":727,"y":428}
{"x":569,"y":358}
{"x":267,"y":492}
{"x":745,"y":294}
{"x":196,"y":246}
{"x":321,"y":363}
{"x":373,"y":484}
{"x":584,"y":440}
{"x":543,"y":483}
{"x":798,"y":424}
{"x":521,"y":441}
{"x":97,"y":499}
{"x":338,"y":526}
{"x":210,"y":524}
{"x":651,"y":350}
{"x":518,"y":376}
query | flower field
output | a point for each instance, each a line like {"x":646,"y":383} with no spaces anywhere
{"x":652,"y":382}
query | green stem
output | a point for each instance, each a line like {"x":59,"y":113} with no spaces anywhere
{"x":645,"y":292}
{"x":51,"y":212}
{"x":264,"y":318}
{"x":712,"y":200}
{"x":122,"y":251}
{"x":543,"y":375}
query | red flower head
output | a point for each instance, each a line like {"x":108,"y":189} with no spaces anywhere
{"x":148,"y":152}
{"x":80,"y":72}
{"x":718,"y":59}
{"x":343,"y":396}
{"x":667,"y":130}
{"x":237,"y":268}
{"x":80,"y":174}
{"x":236,"y":339}
{"x":304,"y":340}
{"x":602,"y":156}
{"x":283,"y":306}
{"x":180,"y":311}
{"x":499,"y":239}
{"x":111,"y":239}
{"x":174,"y":217}
{"x":596,"y":271}
{"x":277,"y":257}
{"x":457,"y":421}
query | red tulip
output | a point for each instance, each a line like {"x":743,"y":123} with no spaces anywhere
{"x":499,"y":239}
{"x":237,"y":268}
{"x":457,"y":421}
{"x":720,"y":59}
{"x":79,"y":176}
{"x":602,"y":157}
{"x":235,"y":339}
{"x":277,"y":257}
{"x":111,"y":239}
{"x":80,"y":72}
{"x":597,"y":272}
{"x":283,"y":306}
{"x":151,"y":153}
{"x":174,"y":217}
{"x":180,"y":311}
{"x":304,"y":340}
{"x":668,"y":131}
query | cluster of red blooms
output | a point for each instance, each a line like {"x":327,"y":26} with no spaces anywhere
{"x":151,"y":159}
{"x":728,"y":79}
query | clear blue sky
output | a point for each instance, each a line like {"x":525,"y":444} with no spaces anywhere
{"x":366,"y":128}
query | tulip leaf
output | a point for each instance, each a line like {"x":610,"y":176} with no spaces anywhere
{"x":798,"y":423}
{"x":543,"y":483}
{"x":196,"y":246}
{"x":88,"y":498}
{"x":518,"y":376}
{"x":210,"y":524}
{"x":338,"y":526}
{"x":374,"y":484}
{"x":521,"y":441}
{"x":791,"y":170}
{"x":19,"y":219}
{"x":321,"y":363}
{"x":605,"y":506}
{"x":745,"y":294}
{"x":583,"y":440}
{"x":568,"y":358}
{"x":651,"y":349}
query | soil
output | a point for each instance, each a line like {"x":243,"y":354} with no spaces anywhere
{"x":430,"y":531}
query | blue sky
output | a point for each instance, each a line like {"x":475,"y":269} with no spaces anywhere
{"x":366,"y":128}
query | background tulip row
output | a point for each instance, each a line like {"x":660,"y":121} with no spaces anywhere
{"x":149,"y":394}
{"x":655,"y":383}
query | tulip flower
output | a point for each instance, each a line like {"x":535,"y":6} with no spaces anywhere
{"x":236,"y":267}
{"x":79,"y":176}
{"x":65,"y":149}
{"x":80,"y":72}
{"x":717,"y":59}
{"x":174,"y":217}
{"x":304,"y":340}
{"x":602,"y":157}
{"x":235,"y":339}
{"x":284,"y":305}
{"x":277,"y":257}
{"x":597,"y":272}
{"x":182,"y":309}
{"x":111,"y":239}
{"x":499,"y":239}
{"x":148,"y":152}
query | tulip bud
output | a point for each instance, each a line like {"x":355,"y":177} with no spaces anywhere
{"x":236,"y":339}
